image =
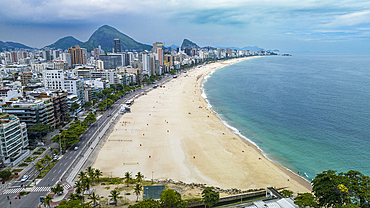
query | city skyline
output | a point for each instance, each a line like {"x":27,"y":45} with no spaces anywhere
{"x":328,"y":26}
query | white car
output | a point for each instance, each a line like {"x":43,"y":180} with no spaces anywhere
{"x":25,"y":177}
{"x":76,"y":148}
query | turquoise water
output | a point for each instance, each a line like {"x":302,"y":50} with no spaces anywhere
{"x":309,"y":113}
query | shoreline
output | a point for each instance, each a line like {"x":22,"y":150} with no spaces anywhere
{"x":171,"y":133}
{"x":234,"y":130}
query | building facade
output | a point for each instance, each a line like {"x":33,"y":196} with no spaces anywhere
{"x":13,"y":137}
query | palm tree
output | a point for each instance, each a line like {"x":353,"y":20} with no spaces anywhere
{"x":91,"y":173}
{"x":42,"y":160}
{"x":86,"y":183}
{"x":137,"y":190}
{"x":78,"y":187}
{"x":39,"y":166}
{"x":114,"y":194}
{"x":139,"y":176}
{"x":48,"y":200}
{"x":47,"y":158}
{"x":73,"y":196}
{"x":98,"y":173}
{"x":127,"y":177}
{"x":81,"y":175}
{"x":93,"y":197}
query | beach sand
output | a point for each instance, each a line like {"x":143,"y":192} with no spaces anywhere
{"x":171,"y":134}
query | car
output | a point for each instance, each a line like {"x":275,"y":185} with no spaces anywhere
{"x":25,"y":177}
{"x":76,"y":148}
{"x":56,"y":157}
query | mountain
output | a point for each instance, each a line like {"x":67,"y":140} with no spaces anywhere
{"x":104,"y":37}
{"x":12,"y":45}
{"x":65,"y":43}
{"x":188,"y":44}
{"x":174,"y":46}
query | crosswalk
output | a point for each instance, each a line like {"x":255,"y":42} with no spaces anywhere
{"x":66,"y":186}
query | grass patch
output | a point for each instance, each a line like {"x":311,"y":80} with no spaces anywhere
{"x":113,"y":180}
{"x":22,"y":165}
{"x":23,"y":193}
{"x":39,"y":151}
{"x":17,"y":170}
{"x":30,"y":159}
{"x":47,"y":169}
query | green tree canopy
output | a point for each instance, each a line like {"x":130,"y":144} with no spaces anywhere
{"x":40,"y":129}
{"x":171,"y":198}
{"x":5,"y":174}
{"x":210,"y":197}
{"x":306,"y":200}
{"x":146,"y":203}
{"x":74,"y":106}
{"x":337,"y":190}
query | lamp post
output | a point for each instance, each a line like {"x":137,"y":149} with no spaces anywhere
{"x":111,"y":177}
{"x":152,"y":177}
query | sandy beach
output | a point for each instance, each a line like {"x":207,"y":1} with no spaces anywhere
{"x":171,"y":134}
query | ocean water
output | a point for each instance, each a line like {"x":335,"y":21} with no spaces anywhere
{"x":309,"y":113}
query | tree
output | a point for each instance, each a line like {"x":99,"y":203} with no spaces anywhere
{"x":87,"y":104}
{"x":48,"y":158}
{"x":5,"y":174}
{"x":93,"y":197}
{"x":39,"y":166}
{"x":40,"y":129}
{"x":78,"y":187}
{"x":98,"y":173}
{"x":306,"y":199}
{"x":127,"y":177}
{"x":210,"y":197}
{"x":58,"y":189}
{"x":146,"y":203}
{"x":114,"y":194}
{"x":287,"y":193}
{"x":91,"y":173}
{"x":74,"y":106}
{"x":171,"y":198}
{"x":324,"y":188}
{"x":137,"y":190}
{"x":48,"y":200}
{"x":139,"y":177}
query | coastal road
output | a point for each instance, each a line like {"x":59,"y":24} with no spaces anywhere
{"x":65,"y":165}
{"x":61,"y":168}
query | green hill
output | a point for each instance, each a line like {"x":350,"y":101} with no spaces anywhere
{"x":188,"y":44}
{"x":104,"y":37}
{"x":12,"y":45}
{"x":65,"y":43}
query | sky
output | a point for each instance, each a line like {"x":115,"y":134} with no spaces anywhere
{"x":294,"y":25}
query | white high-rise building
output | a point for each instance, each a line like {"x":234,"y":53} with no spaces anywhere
{"x":146,"y":63}
{"x":53,"y":79}
{"x":67,"y":58}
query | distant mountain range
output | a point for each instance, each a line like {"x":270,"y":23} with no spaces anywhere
{"x":104,"y":37}
{"x":12,"y":45}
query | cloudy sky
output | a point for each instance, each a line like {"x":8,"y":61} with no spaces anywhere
{"x":294,"y":25}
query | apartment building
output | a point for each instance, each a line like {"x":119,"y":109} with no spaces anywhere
{"x":13,"y":137}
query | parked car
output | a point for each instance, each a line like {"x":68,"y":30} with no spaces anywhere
{"x":76,"y":148}
{"x":25,"y":177}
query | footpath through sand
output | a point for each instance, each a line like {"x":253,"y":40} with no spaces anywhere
{"x":171,"y":134}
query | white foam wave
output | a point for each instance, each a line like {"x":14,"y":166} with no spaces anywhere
{"x":236,"y":131}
